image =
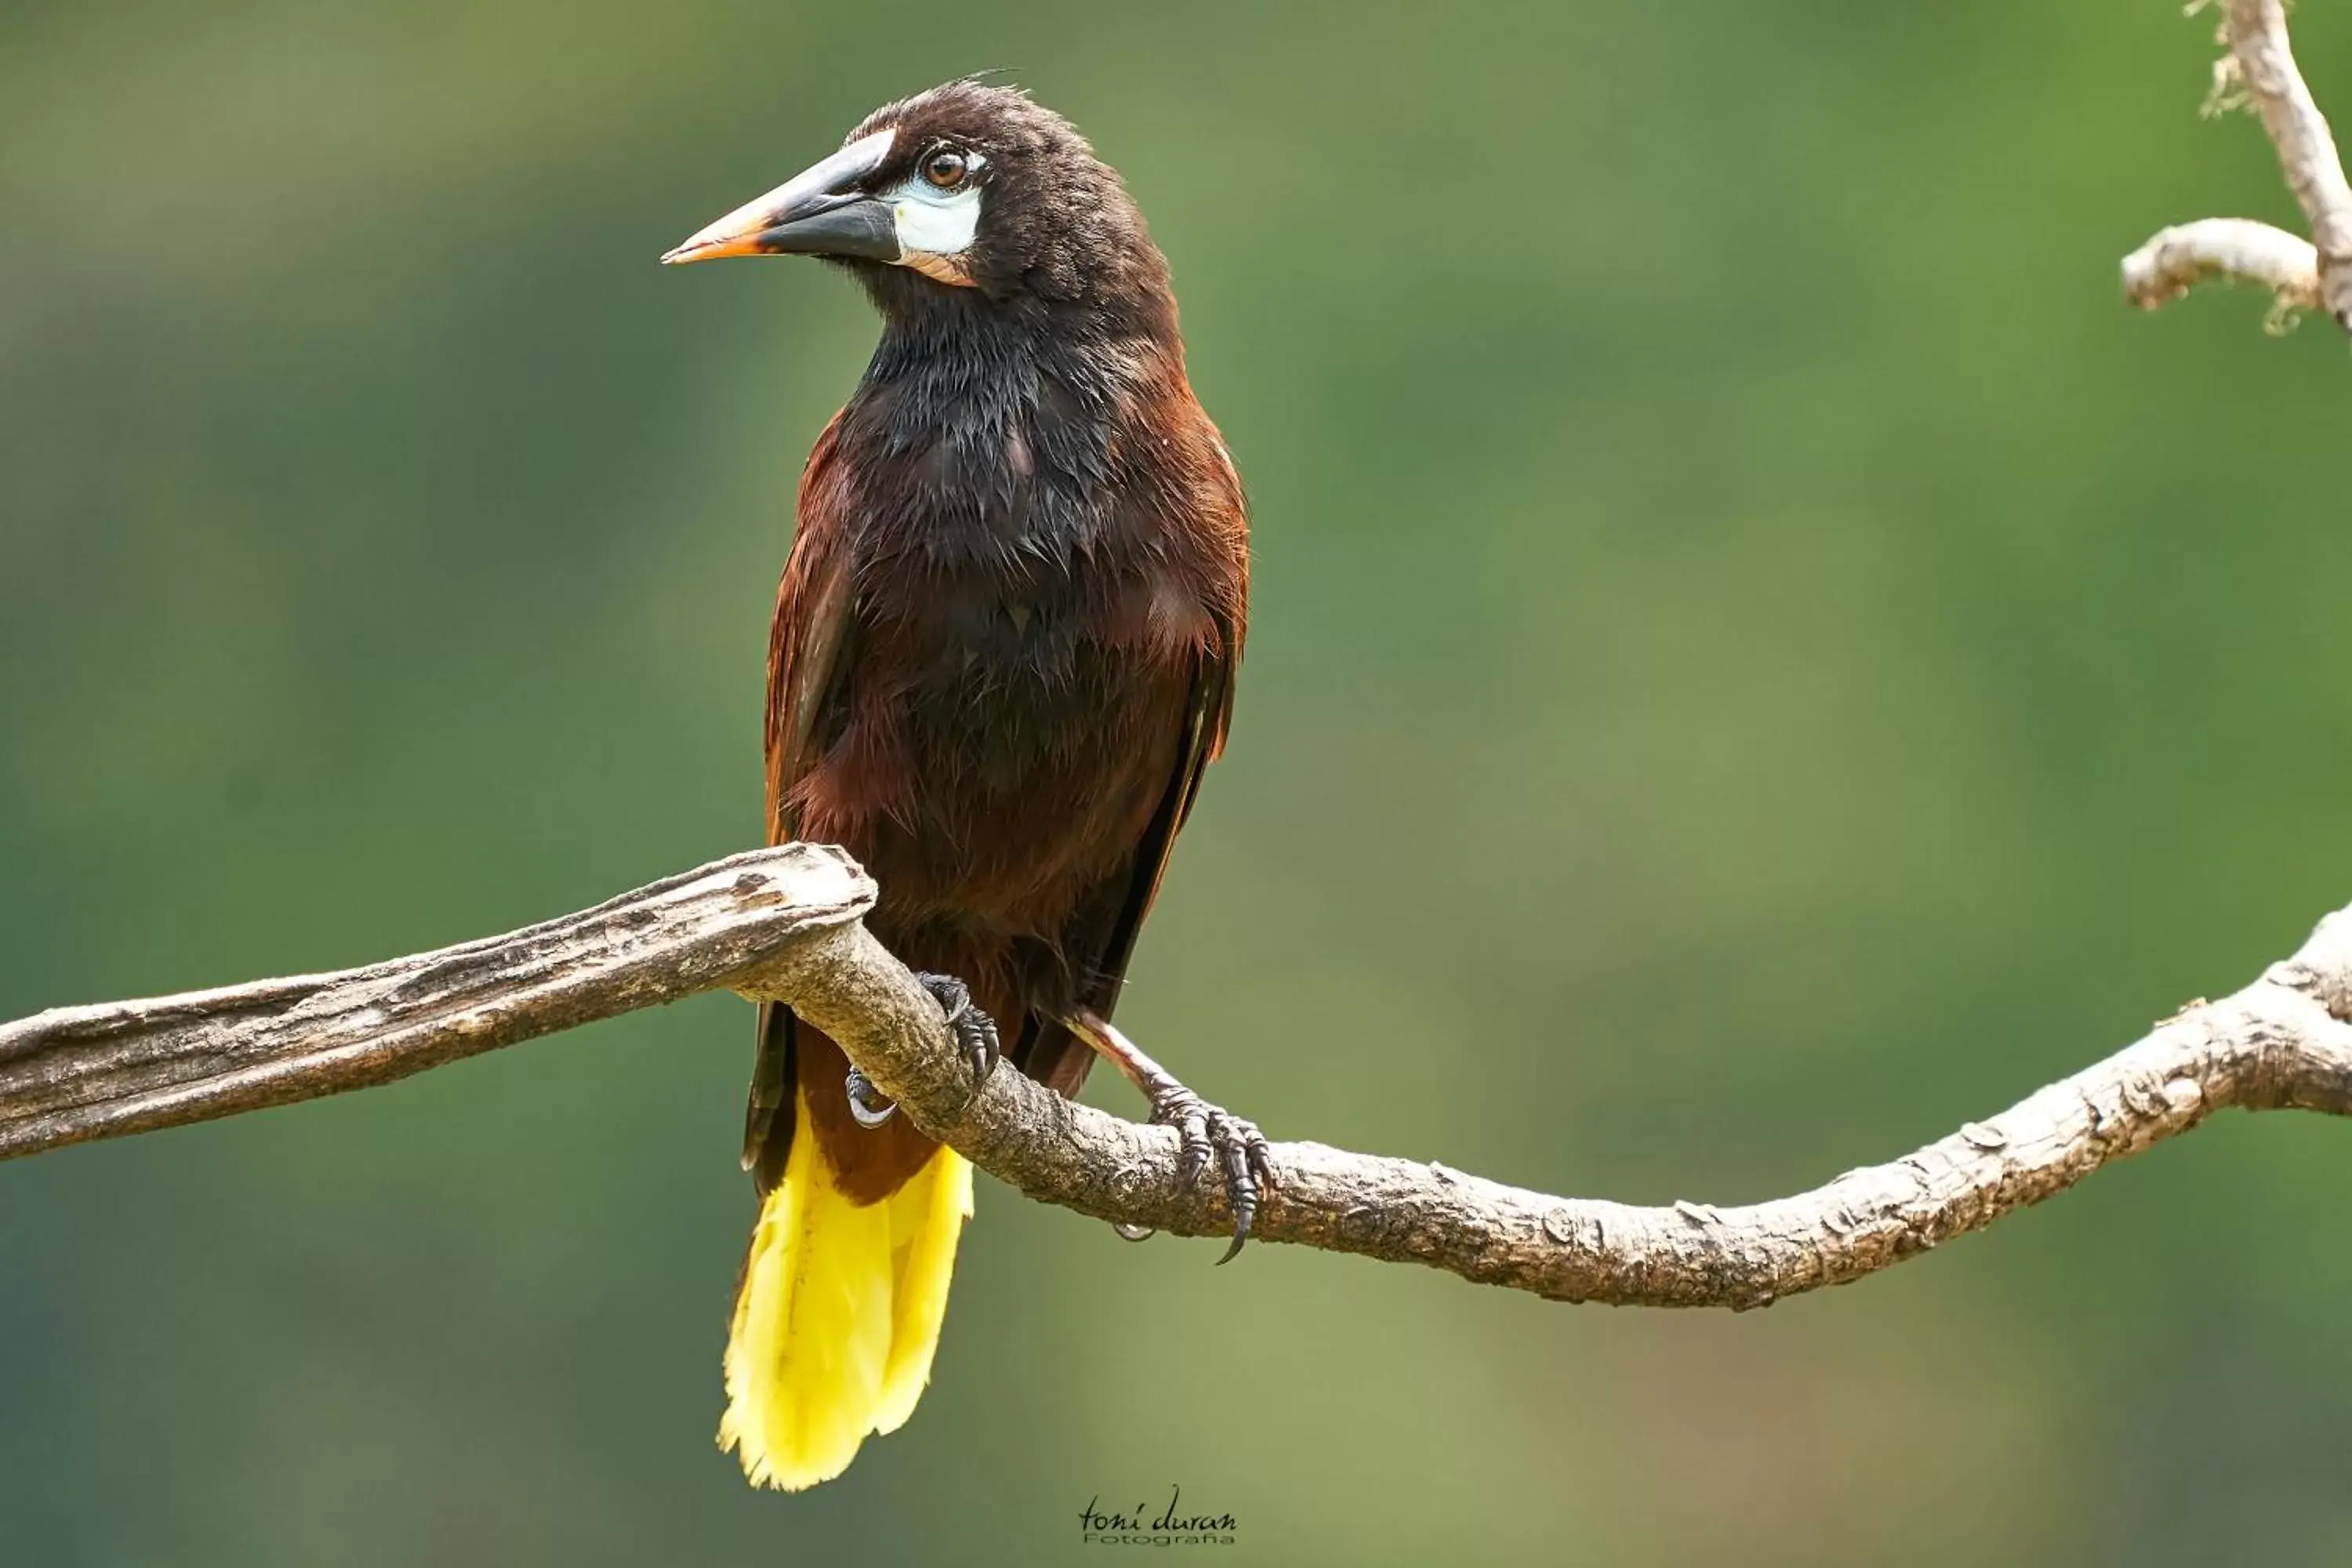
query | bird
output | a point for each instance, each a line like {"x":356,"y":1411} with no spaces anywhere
{"x":1003,"y":652}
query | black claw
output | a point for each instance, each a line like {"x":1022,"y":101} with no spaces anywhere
{"x":974,"y":1031}
{"x":1243,"y":1156}
{"x":1241,"y":1189}
{"x":868,"y":1107}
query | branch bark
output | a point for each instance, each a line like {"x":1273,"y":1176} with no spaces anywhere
{"x":784,"y":924}
{"x":2261,"y":64}
{"x":2238,"y":248}
{"x":78,"y":1073}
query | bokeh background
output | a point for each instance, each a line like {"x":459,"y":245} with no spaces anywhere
{"x":1759,"y":655}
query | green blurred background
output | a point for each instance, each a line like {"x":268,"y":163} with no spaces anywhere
{"x":1759,"y":655}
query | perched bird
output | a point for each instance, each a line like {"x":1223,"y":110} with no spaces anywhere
{"x":1003,"y":652}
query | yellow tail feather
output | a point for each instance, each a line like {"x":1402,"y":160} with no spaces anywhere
{"x":839,"y":1315}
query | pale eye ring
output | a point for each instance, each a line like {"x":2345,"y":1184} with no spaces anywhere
{"x":945,"y":169}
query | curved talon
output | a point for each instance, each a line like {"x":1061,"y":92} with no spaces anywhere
{"x":1244,"y":1158}
{"x":1241,"y":1191}
{"x":974,"y":1031}
{"x":869,"y":1109}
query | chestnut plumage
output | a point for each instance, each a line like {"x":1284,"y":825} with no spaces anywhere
{"x":1006,"y":641}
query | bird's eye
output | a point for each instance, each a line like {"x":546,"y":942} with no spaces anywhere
{"x":945,"y":168}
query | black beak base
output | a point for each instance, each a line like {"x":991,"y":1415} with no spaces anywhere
{"x":821,"y":211}
{"x":857,"y":226}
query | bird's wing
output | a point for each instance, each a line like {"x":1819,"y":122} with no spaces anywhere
{"x":1053,"y":1055}
{"x":1206,"y":719}
{"x":807,"y":645}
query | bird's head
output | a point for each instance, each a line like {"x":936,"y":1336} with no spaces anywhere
{"x":968,"y":187}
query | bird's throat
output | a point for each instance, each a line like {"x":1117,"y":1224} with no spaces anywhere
{"x":997,"y":438}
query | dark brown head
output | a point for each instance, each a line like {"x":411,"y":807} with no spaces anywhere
{"x":966,"y":187}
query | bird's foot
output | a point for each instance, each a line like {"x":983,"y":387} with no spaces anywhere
{"x":975,"y":1039}
{"x":1206,"y":1132}
{"x":866,"y":1102}
{"x":1210,"y":1132}
{"x":974,"y":1031}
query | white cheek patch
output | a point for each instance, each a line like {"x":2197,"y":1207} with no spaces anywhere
{"x":933,"y":221}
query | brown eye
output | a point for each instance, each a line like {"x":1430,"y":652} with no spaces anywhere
{"x":945,"y":168}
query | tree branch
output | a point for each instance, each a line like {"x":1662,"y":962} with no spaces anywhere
{"x":78,"y":1073}
{"x":2261,"y":67}
{"x":2236,"y":248}
{"x":784,"y":924}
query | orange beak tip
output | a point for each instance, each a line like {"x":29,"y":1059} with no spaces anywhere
{"x":713,"y":248}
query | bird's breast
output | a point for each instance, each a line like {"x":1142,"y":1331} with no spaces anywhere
{"x":1005,"y":737}
{"x":1036,"y":582}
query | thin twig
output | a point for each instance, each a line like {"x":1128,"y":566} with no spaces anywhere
{"x":2306,"y":149}
{"x":2261,"y":66}
{"x":2236,"y":248}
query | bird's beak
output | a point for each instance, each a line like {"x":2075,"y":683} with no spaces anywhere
{"x":818,"y":212}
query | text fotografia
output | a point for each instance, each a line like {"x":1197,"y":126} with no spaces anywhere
{"x":1174,"y":1525}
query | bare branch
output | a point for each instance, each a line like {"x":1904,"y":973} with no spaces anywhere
{"x":2257,"y":33}
{"x":2262,"y":67}
{"x":784,"y":924}
{"x":78,"y":1073}
{"x":2237,"y":248}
